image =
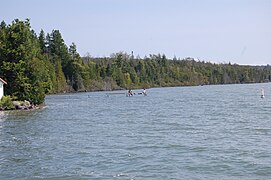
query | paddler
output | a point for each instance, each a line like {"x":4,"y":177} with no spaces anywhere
{"x":144,"y":92}
{"x":130,"y":93}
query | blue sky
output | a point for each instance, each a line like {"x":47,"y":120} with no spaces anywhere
{"x":236,"y":31}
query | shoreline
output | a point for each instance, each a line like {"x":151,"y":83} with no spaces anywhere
{"x":23,"y":107}
{"x":153,"y":87}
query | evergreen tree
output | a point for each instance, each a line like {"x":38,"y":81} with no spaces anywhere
{"x":20,"y":50}
{"x":42,"y":42}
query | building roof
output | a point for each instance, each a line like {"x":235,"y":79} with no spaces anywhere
{"x":4,"y":82}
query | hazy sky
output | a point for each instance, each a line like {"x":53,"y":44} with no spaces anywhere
{"x":220,"y":31}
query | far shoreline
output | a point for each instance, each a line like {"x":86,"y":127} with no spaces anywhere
{"x":136,"y":88}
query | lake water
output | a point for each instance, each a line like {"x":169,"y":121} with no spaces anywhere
{"x":204,"y":132}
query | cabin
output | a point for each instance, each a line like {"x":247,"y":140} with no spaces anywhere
{"x":2,"y":82}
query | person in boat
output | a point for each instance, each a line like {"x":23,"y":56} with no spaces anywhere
{"x":130,"y":93}
{"x":144,"y":92}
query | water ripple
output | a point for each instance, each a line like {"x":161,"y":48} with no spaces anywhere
{"x":207,"y":132}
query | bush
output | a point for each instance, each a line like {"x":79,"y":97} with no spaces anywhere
{"x":6,"y":102}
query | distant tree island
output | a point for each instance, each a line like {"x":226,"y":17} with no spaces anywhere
{"x":35,"y":65}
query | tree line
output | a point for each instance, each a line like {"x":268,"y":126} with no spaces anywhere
{"x":38,"y":64}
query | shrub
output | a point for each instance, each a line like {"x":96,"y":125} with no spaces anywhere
{"x":6,"y":102}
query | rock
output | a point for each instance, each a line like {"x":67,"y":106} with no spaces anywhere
{"x":27,"y":103}
{"x":20,"y":105}
{"x":17,"y":105}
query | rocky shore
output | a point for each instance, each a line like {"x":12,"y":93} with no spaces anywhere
{"x":19,"y":105}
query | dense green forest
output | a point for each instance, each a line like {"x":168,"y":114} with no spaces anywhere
{"x":38,"y":64}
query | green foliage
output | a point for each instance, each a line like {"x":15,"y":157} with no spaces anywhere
{"x":22,"y":66}
{"x":156,"y":70}
{"x":6,"y":102}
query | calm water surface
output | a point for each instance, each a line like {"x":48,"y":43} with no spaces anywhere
{"x":205,"y":132}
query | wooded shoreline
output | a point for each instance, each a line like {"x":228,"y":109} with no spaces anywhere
{"x":35,"y":65}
